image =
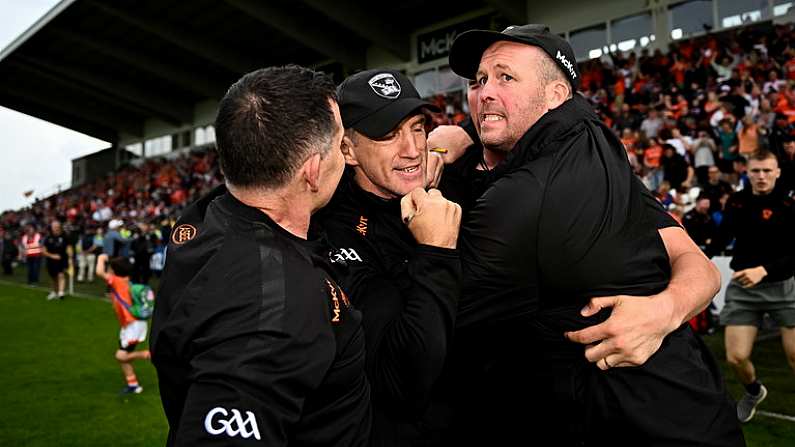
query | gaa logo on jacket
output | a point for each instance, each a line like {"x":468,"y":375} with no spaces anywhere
{"x":218,"y":422}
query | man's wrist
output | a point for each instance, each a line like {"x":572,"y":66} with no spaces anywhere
{"x":670,"y":314}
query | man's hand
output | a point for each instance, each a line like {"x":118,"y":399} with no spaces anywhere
{"x":432,"y":219}
{"x":637,"y":325}
{"x":453,"y":140}
{"x":634,"y":331}
{"x":750,"y":277}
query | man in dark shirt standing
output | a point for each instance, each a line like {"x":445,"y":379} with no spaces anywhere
{"x":699,"y":224}
{"x":404,"y":278}
{"x":56,"y":253}
{"x":715,"y":188}
{"x":253,"y":341}
{"x":564,"y":220}
{"x":762,"y":223}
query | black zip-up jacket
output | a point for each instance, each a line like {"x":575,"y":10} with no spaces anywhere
{"x":253,"y":342}
{"x":407,"y":294}
{"x":763,"y":228}
{"x":564,"y":219}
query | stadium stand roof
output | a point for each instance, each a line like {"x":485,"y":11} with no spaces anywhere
{"x":107,"y":68}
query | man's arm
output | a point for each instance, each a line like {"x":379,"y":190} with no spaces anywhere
{"x":102,"y":262}
{"x":637,"y":325}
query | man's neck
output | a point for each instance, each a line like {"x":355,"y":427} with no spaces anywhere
{"x":281,"y":206}
{"x":491,"y":158}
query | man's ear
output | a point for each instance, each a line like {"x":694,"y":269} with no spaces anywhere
{"x":311,"y":172}
{"x":349,"y":151}
{"x":558,"y":92}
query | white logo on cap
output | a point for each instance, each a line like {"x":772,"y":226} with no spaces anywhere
{"x":385,"y":85}
{"x":566,"y":63}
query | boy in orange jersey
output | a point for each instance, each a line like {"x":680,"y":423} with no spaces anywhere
{"x":133,"y":331}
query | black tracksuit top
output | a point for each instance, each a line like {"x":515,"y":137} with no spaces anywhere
{"x":253,"y":341}
{"x":407,"y":294}
{"x":561,"y":220}
{"x":763,"y":227}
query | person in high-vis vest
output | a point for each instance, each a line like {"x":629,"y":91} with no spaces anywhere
{"x":31,"y":243}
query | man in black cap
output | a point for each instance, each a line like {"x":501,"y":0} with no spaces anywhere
{"x":563,"y":221}
{"x":253,"y":341}
{"x":403,"y":277}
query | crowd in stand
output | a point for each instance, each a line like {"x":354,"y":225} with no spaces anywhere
{"x":688,"y":119}
{"x":127,"y":213}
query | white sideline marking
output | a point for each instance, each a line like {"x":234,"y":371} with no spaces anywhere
{"x":84,"y":296}
{"x":776,"y":415}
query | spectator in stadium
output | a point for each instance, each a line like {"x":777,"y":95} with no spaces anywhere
{"x":249,"y":319}
{"x":663,"y":194}
{"x":703,"y":157}
{"x":715,"y":188}
{"x":728,"y":146}
{"x":787,"y":165}
{"x":9,"y":251}
{"x":116,"y":273}
{"x":55,"y":249}
{"x":699,"y":224}
{"x":32,"y":250}
{"x":142,"y":248}
{"x":652,"y":124}
{"x":514,"y":284}
{"x":676,"y":170}
{"x":87,"y":255}
{"x":114,"y":244}
{"x":761,"y":221}
{"x":404,"y":278}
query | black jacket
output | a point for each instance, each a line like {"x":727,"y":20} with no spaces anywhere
{"x":253,"y":341}
{"x":763,"y":228}
{"x":564,"y":219}
{"x":407,"y":294}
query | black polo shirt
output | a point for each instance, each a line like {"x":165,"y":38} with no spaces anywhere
{"x":253,"y":341}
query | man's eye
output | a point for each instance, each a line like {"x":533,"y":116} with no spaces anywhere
{"x":507,"y":77}
{"x":481,"y":80}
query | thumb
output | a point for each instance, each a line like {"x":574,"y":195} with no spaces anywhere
{"x":596,"y":304}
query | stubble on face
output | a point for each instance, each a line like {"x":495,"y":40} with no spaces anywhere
{"x":510,"y":94}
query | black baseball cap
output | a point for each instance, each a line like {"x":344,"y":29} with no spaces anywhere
{"x":375,"y":101}
{"x":468,"y":48}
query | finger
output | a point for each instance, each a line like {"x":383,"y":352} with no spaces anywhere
{"x":591,"y":334}
{"x":409,"y":204}
{"x":736,"y":275}
{"x":596,"y":304}
{"x":603,"y":364}
{"x":433,"y":192}
{"x":594,"y":353}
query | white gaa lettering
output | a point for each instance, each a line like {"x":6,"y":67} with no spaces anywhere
{"x":344,"y":254}
{"x":232,"y":426}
